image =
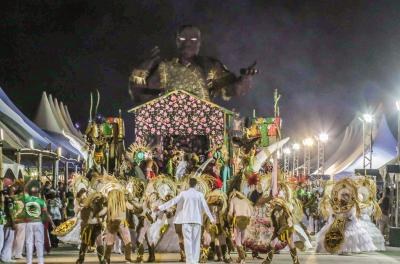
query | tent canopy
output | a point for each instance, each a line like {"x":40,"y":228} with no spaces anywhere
{"x":349,"y":155}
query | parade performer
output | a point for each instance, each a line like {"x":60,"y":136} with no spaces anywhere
{"x":158,"y":191}
{"x":20,"y":225}
{"x":9,"y":207}
{"x":69,"y":232}
{"x":202,"y":76}
{"x":215,"y":235}
{"x":35,"y":211}
{"x":343,"y":233}
{"x":191,"y":204}
{"x":282,"y":222}
{"x":240,"y":211}
{"x":93,"y":216}
{"x":117,"y":207}
{"x":370,"y":208}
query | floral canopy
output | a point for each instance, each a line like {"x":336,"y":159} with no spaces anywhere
{"x":178,"y":113}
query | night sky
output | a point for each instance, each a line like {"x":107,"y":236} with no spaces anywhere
{"x":329,"y":59}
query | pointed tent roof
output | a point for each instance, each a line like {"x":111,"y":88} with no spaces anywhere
{"x":349,"y":154}
{"x":45,"y":118}
{"x":68,"y":122}
{"x":54,"y":112}
{"x":60,"y":117}
{"x":49,"y":117}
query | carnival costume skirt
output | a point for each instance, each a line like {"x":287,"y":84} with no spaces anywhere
{"x":73,"y":235}
{"x":356,"y":238}
{"x":374,"y":232}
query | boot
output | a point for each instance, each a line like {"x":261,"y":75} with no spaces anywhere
{"x":219,"y":253}
{"x":211,"y":252}
{"x":100,"y":254}
{"x":293,"y":254}
{"x":229,"y":243}
{"x":140,"y":252}
{"x":107,"y":254}
{"x":225,"y":254}
{"x":241,"y":254}
{"x":81,"y":256}
{"x":204,"y":254}
{"x":152,"y":256}
{"x":182,"y":252}
{"x":128,"y":252}
{"x":269,"y":257}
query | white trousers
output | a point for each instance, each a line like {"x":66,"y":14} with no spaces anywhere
{"x":6,"y":252}
{"x":34,"y":235}
{"x":1,"y":237}
{"x":191,"y":240}
{"x":19,"y":240}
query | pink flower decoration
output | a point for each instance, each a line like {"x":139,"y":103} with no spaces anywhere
{"x":189,"y":130}
{"x":203,"y":120}
{"x":153,"y":130}
{"x":158,"y":132}
{"x":207,"y":130}
{"x":173,"y":98}
{"x":171,"y":130}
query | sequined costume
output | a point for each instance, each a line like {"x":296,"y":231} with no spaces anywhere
{"x":204,"y":78}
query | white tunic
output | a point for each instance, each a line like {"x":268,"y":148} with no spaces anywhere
{"x":191,"y":204}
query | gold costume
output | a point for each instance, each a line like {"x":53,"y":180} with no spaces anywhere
{"x":205,"y":79}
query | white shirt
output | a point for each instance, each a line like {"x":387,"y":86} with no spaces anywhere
{"x":191,"y":204}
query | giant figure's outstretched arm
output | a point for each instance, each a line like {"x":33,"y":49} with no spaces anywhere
{"x":144,"y":81}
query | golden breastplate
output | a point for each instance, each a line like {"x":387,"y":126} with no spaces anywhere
{"x":175,"y":76}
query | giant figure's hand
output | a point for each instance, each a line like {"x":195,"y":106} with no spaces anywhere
{"x":152,"y":60}
{"x":249,"y":71}
{"x":244,"y":84}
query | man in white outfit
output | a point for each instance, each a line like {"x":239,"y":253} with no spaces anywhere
{"x":191,"y":204}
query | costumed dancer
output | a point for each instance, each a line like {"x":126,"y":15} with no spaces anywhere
{"x":93,"y":216}
{"x":69,"y":232}
{"x":117,"y":224}
{"x":343,"y":233}
{"x":215,"y":235}
{"x":158,"y":191}
{"x":370,"y":208}
{"x":282,"y":222}
{"x":240,"y":211}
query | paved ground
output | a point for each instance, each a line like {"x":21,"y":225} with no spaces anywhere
{"x":392,"y":255}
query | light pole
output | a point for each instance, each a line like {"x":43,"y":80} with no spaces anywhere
{"x":286,"y":161}
{"x":367,"y":126}
{"x":308,"y":143}
{"x":321,"y":140}
{"x":396,"y":217}
{"x":296,"y":148}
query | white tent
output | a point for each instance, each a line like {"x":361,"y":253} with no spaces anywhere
{"x":51,"y":118}
{"x":349,"y":154}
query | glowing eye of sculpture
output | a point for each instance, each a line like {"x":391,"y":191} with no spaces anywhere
{"x":181,"y":38}
{"x":193,"y":39}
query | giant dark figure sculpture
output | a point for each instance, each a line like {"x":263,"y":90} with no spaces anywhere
{"x":201,"y":76}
